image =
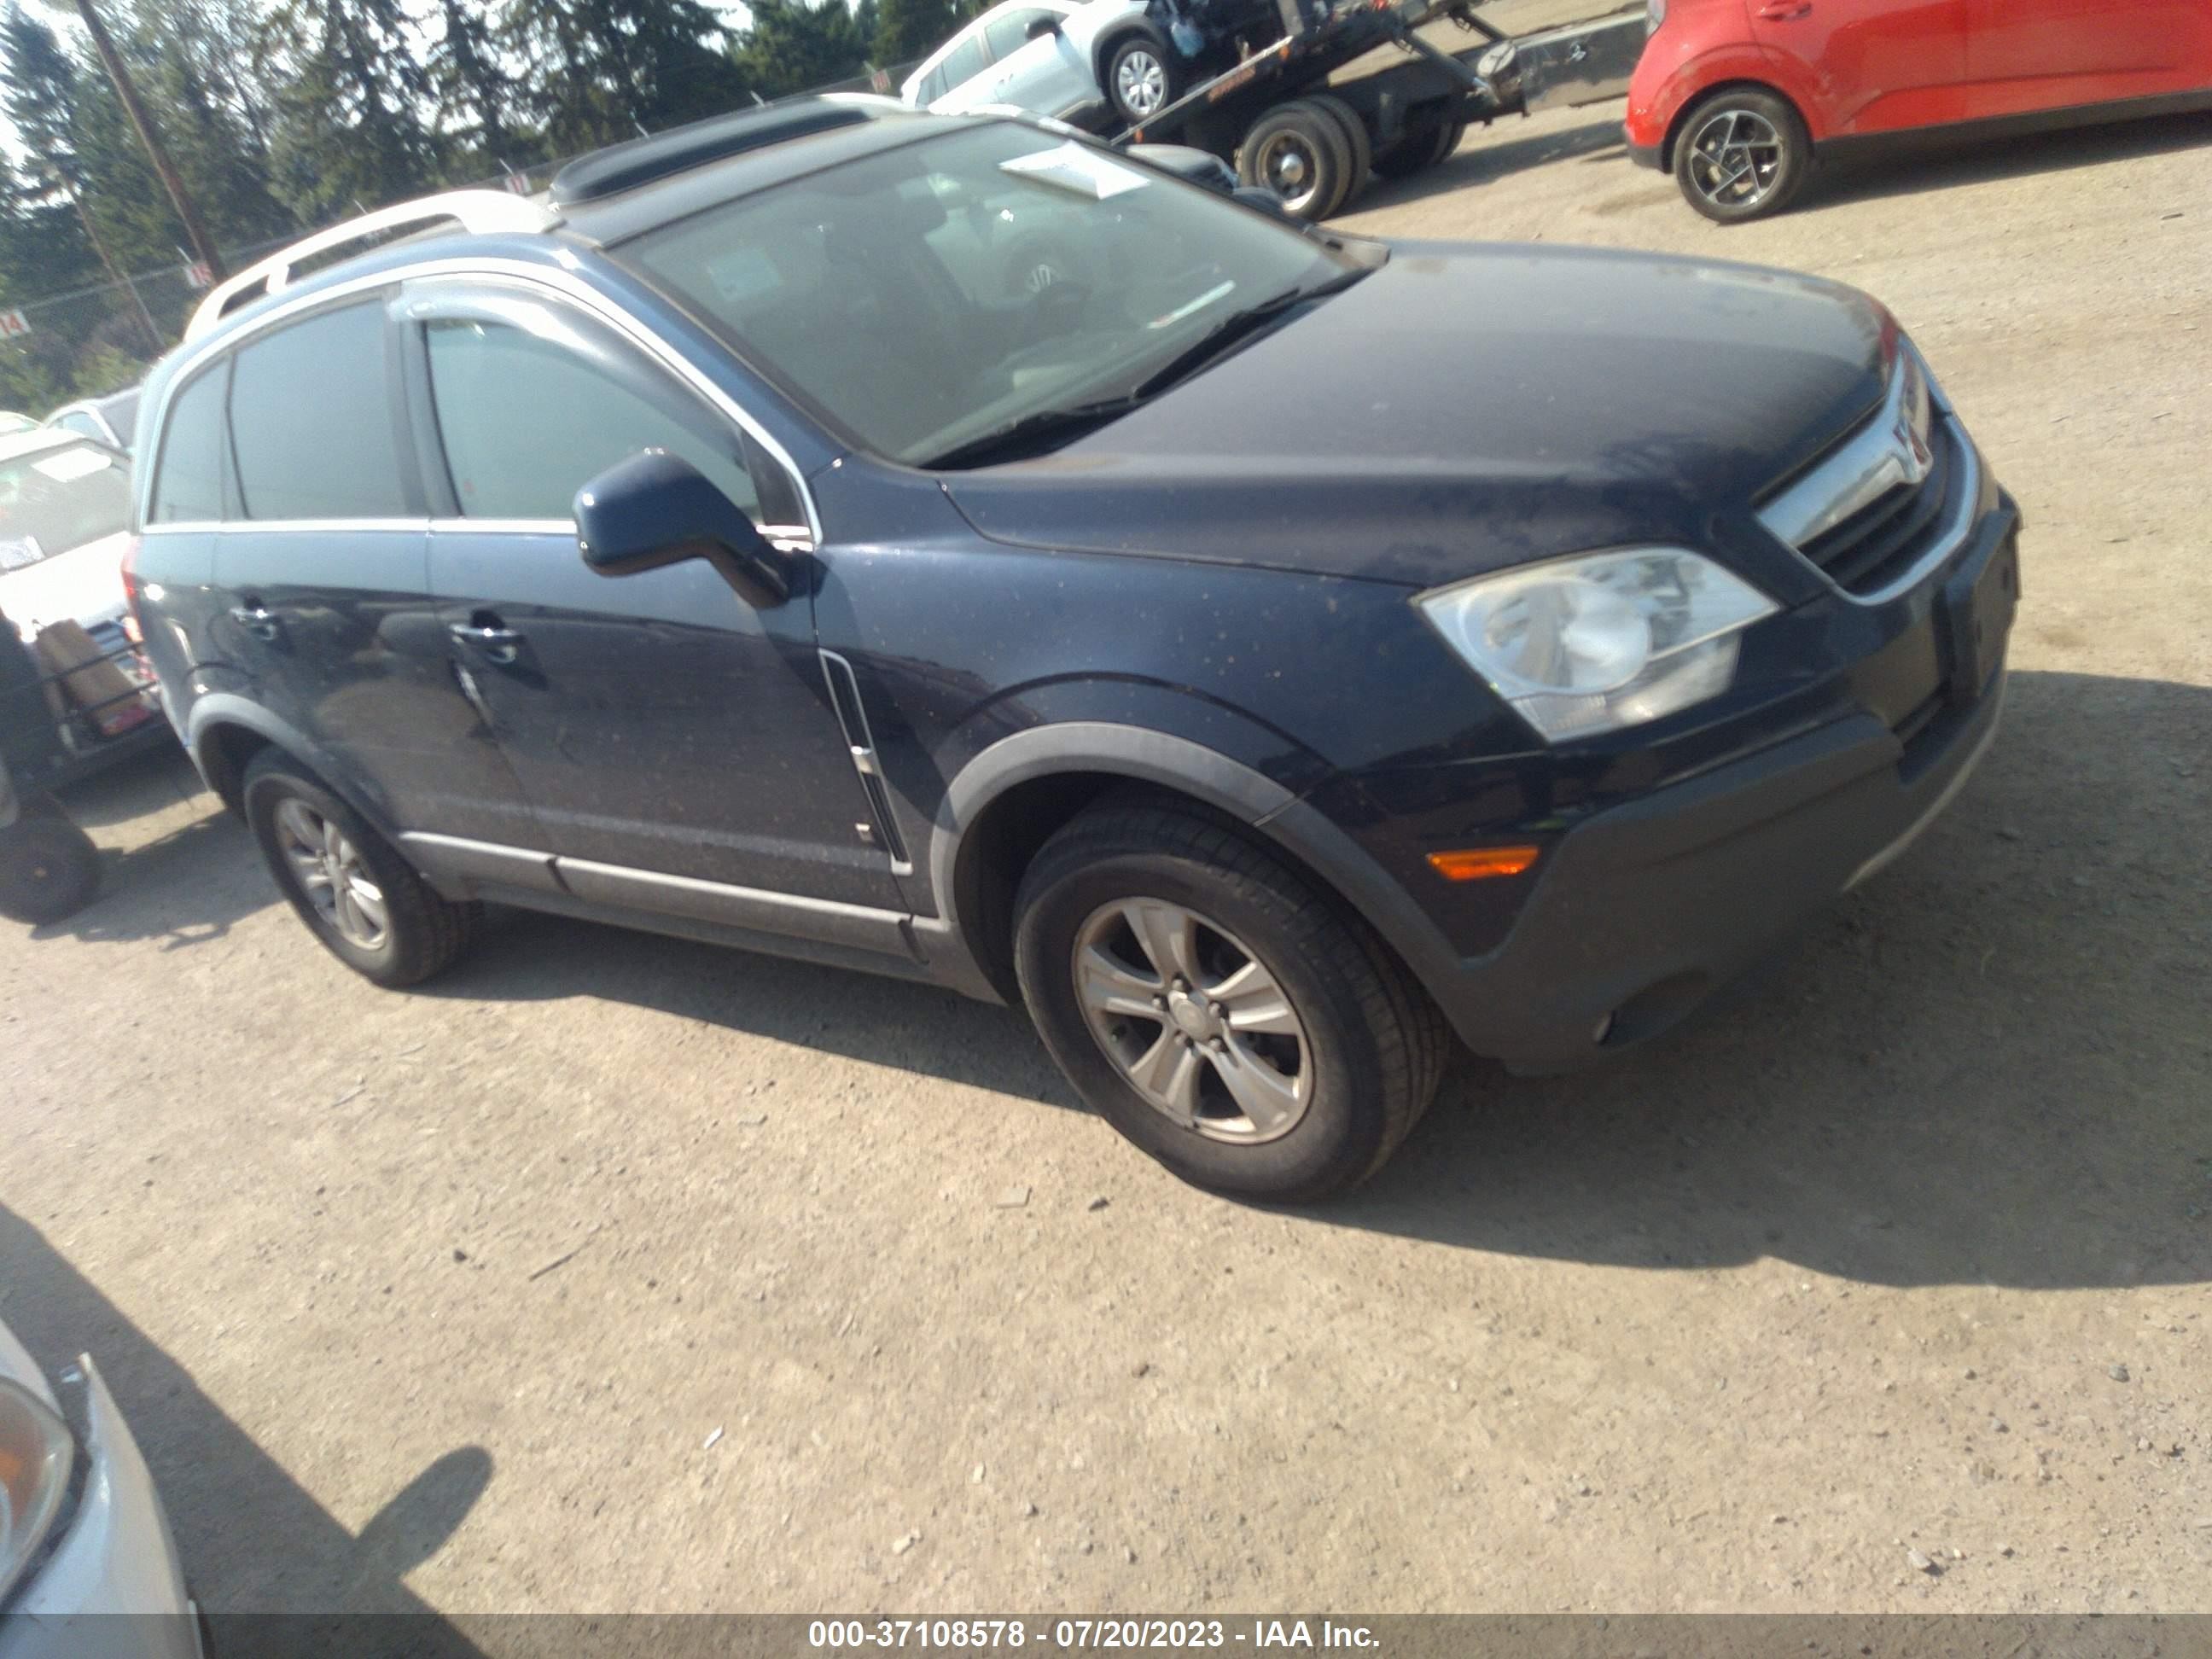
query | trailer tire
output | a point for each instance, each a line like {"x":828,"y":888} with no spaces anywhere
{"x":1355,"y":137}
{"x":49,"y":868}
{"x":1297,"y":151}
{"x":1424,"y":146}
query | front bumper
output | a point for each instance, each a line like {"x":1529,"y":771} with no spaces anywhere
{"x":1643,"y":909}
{"x":110,"y":1587}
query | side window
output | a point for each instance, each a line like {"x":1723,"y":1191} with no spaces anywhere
{"x":311,"y":421}
{"x":528,"y":422}
{"x":964,"y":62}
{"x":188,"y":482}
{"x":1008,"y":32}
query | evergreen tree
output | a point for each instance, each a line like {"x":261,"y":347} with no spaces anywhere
{"x":910,"y":29}
{"x":793,"y":46}
{"x":350,"y":125}
{"x":475,"y":96}
{"x":599,"y":70}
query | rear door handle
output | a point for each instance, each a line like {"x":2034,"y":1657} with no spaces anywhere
{"x":256,"y":619}
{"x":1784,"y":11}
{"x":488,"y":637}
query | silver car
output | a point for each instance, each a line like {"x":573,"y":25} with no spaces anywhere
{"x":81,"y":1532}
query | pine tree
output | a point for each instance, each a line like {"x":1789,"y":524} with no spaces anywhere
{"x":793,"y":46}
{"x":909,"y":29}
{"x":348,"y":126}
{"x":475,"y":96}
{"x":600,"y":70}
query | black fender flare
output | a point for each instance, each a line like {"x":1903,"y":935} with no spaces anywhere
{"x":214,"y":709}
{"x":1189,"y":769}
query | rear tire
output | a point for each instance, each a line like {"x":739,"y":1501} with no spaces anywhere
{"x":1297,"y":151}
{"x":1356,"y":141}
{"x":1420,"y":147}
{"x":1741,"y":154}
{"x":1325,"y":1058}
{"x":352,"y":889}
{"x":49,"y":868}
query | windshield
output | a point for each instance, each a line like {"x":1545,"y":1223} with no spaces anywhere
{"x":58,"y":499}
{"x":926,"y":295}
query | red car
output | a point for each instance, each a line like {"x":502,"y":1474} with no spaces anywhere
{"x":1736,"y":97}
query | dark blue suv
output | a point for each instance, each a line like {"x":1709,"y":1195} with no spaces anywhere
{"x":945,"y":547}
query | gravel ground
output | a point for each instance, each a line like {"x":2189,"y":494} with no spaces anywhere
{"x":614,"y":1273}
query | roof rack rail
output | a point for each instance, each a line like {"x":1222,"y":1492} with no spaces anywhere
{"x":638,"y":161}
{"x":480,"y":211}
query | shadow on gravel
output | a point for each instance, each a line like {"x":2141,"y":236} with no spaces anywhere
{"x":1484,"y":159}
{"x":1991,"y":1065}
{"x":250,"y":1537}
{"x":183,"y":888}
{"x":1936,"y":159}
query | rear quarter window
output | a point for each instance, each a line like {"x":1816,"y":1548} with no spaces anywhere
{"x":188,"y":481}
{"x":310,"y":421}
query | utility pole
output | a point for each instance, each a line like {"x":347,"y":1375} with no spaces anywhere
{"x":127,"y":90}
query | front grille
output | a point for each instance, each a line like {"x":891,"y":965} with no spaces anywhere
{"x":1893,"y":533}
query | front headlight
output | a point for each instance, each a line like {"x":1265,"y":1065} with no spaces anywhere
{"x":36,"y":1454}
{"x":1602,"y":641}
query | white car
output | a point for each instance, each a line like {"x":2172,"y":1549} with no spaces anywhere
{"x":110,"y":419}
{"x":82,"y":1537}
{"x":64,"y":515}
{"x":1055,"y":58}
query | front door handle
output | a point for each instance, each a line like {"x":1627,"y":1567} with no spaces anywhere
{"x":488,"y":637}
{"x":256,"y":619}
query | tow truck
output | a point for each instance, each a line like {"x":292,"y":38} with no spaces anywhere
{"x":1311,"y":140}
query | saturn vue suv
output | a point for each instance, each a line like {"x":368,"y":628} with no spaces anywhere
{"x":942,"y":546}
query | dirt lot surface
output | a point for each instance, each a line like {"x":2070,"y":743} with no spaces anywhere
{"x":613,"y":1272}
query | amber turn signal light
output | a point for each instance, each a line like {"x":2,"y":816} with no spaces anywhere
{"x":1481,"y":863}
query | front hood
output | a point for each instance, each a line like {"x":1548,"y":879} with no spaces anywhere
{"x":84,"y":585}
{"x":1466,"y":408}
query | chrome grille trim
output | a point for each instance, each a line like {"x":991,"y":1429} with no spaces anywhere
{"x":1896,"y":449}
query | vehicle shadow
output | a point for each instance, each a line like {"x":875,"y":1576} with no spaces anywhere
{"x":1988,"y":1066}
{"x":187,"y":883}
{"x":1482,"y":160}
{"x":1937,"y":161}
{"x":277,"y":1572}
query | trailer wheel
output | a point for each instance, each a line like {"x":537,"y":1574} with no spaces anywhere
{"x":49,"y":868}
{"x":1423,"y":147}
{"x":1297,"y":151}
{"x":1355,"y":137}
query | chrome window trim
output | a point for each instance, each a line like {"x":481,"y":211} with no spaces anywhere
{"x":566,"y":285}
{"x":464,"y":526}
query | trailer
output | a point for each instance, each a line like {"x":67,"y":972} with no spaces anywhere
{"x":1312,"y":141}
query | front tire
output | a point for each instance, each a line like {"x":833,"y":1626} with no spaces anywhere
{"x":354,"y":891}
{"x":1140,"y":79}
{"x":1216,"y":1009}
{"x":49,"y":868}
{"x":1741,"y":154}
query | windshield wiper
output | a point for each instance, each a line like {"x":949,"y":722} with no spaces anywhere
{"x":1029,"y":432}
{"x":1236,"y":326}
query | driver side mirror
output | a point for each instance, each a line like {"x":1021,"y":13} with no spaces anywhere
{"x":1040,"y":27}
{"x":657,"y":509}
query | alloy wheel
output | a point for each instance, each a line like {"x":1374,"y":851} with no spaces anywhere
{"x":1193,"y":1019}
{"x":1736,"y":158}
{"x":330,"y":871}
